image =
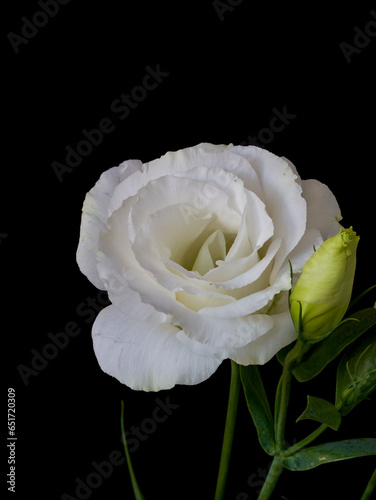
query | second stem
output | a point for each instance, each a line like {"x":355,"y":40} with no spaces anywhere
{"x":229,"y":431}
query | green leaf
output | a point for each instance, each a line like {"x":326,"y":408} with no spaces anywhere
{"x":258,"y":406}
{"x":322,"y":411}
{"x":328,"y":349}
{"x":308,"y":458}
{"x":356,"y":374}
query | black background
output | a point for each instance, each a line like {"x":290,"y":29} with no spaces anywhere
{"x":225,"y":78}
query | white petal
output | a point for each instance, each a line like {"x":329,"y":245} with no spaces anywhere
{"x":252,"y":302}
{"x":146,"y":356}
{"x":123,"y":297}
{"x":214,"y":178}
{"x":95,"y":215}
{"x":165,"y":212}
{"x":244,"y":168}
{"x":304,"y":249}
{"x":208,"y":146}
{"x":323,"y":213}
{"x":177,"y":232}
{"x":165,"y":234}
{"x":282,"y":197}
{"x":209,"y":166}
{"x":169,"y":164}
{"x":260,"y":226}
{"x":118,"y":270}
{"x":200,"y":348}
{"x":195,"y":302}
{"x":241,"y":246}
{"x":116,"y":260}
{"x":293,"y":168}
{"x":221,"y":332}
{"x":241,"y":272}
{"x":265,"y":347}
{"x":255,"y":229}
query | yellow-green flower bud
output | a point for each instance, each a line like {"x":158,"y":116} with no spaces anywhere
{"x":323,"y":291}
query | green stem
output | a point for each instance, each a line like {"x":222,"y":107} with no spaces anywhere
{"x":271,"y":479}
{"x":293,"y":357}
{"x":370,"y":487}
{"x":307,"y":440}
{"x":229,"y":431}
{"x":283,"y":404}
{"x":136,"y":489}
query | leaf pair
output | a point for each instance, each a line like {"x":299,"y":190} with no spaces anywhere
{"x":356,"y":374}
{"x":317,"y":409}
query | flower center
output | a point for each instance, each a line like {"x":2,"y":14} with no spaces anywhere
{"x":202,"y":256}
{"x":213,"y":249}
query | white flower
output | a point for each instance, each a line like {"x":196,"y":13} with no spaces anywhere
{"x":193,"y":249}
